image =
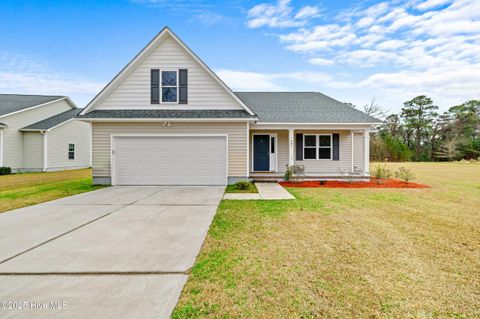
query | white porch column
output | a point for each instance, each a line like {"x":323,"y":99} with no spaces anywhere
{"x":366,"y":151}
{"x":291,"y":155}
{"x":352,"y":133}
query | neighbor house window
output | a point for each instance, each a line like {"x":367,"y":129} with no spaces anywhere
{"x":169,"y":87}
{"x":71,"y":151}
{"x":318,"y":146}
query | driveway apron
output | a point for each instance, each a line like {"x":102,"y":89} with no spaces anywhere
{"x":118,"y":252}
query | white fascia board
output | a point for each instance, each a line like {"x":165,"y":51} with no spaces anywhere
{"x":164,"y":120}
{"x":142,"y":54}
{"x":40,"y":105}
{"x":309,"y":126}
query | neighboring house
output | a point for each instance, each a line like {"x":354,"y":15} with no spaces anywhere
{"x":39,"y":133}
{"x":167,"y":119}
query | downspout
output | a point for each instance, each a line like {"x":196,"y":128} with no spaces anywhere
{"x":45,"y":150}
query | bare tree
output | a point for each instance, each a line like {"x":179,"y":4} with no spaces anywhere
{"x":374,"y":109}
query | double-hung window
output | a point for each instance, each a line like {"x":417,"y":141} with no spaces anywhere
{"x":71,"y":151}
{"x":317,"y":146}
{"x":169,"y":81}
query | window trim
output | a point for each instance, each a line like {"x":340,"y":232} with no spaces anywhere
{"x":169,"y":86}
{"x":317,"y":146}
{"x":68,"y":153}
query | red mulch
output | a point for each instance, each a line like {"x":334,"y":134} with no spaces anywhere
{"x":388,"y":183}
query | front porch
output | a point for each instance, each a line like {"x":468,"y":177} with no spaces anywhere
{"x":326,"y":152}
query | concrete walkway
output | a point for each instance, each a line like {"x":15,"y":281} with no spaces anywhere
{"x":266,"y":191}
{"x":119,"y":252}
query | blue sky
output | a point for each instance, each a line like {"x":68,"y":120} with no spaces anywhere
{"x":351,"y":50}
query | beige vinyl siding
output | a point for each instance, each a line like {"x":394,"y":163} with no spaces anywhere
{"x":102,"y":131}
{"x":13,"y":138}
{"x":74,"y":132}
{"x":358,"y":155}
{"x":33,"y":151}
{"x":133,"y":92}
{"x":319,"y":167}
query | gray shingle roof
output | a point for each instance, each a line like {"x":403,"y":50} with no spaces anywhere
{"x":10,"y":103}
{"x":53,"y":121}
{"x":166,"y":114}
{"x":301,"y":107}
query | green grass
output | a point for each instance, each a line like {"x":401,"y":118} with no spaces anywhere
{"x":28,"y":189}
{"x":234,"y":189}
{"x":345,"y":253}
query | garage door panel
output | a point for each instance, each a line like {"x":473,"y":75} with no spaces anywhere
{"x":172,"y":160}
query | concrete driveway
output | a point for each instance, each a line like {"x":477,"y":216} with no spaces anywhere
{"x":119,"y":252}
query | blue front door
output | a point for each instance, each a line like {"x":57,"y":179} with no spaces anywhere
{"x":261,"y":152}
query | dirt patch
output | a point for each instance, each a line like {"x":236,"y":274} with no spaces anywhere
{"x":389,"y":183}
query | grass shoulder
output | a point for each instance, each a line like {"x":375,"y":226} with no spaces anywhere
{"x":242,"y":187}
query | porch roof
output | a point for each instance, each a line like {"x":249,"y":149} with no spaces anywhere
{"x":302,"y":107}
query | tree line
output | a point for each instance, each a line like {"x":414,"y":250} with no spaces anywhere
{"x":420,"y":133}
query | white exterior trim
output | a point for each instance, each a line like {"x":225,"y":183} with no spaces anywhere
{"x":295,"y":123}
{"x":141,"y":55}
{"x":40,"y":105}
{"x":291,"y":157}
{"x":165,"y":120}
{"x":275,"y":161}
{"x":45,"y":151}
{"x":1,"y":146}
{"x":112,"y":149}
{"x":352,"y":134}
{"x":366,"y":152}
{"x":248,"y":150}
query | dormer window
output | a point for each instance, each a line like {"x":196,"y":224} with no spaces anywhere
{"x":169,"y":86}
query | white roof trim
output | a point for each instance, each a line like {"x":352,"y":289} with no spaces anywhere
{"x":204,"y":119}
{"x":297,"y":123}
{"x":72,"y":105}
{"x":141,"y":55}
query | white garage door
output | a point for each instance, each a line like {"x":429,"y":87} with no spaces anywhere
{"x":169,"y":160}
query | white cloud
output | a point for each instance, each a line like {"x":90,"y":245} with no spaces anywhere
{"x":307,"y":12}
{"x":429,"y":4}
{"x":253,"y":81}
{"x":398,"y":48}
{"x":24,"y":75}
{"x":280,"y":15}
{"x":321,"y":61}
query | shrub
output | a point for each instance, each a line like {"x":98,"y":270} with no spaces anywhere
{"x":404,"y":174}
{"x":381,"y":172}
{"x":5,"y":170}
{"x":242,"y":185}
{"x":294,"y":172}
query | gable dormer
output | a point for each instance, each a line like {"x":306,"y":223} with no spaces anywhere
{"x":166,"y":74}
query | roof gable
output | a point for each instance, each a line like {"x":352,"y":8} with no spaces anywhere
{"x":14,"y":103}
{"x":116,"y":94}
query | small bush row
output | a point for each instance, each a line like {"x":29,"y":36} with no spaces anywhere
{"x":382,"y":172}
{"x":4,"y":170}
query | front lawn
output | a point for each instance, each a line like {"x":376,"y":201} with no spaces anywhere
{"x":20,"y":190}
{"x":343,"y":253}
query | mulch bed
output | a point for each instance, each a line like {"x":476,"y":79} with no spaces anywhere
{"x":388,"y":183}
